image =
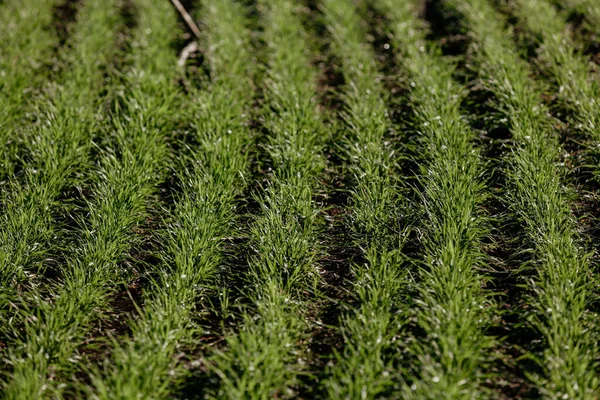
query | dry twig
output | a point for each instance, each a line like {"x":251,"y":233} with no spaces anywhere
{"x":186,"y":16}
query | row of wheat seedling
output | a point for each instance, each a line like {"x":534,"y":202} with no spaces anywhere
{"x":144,"y":365}
{"x":413,"y":329}
{"x":560,"y":288}
{"x":27,"y":44}
{"x":568,"y":69}
{"x":121,"y":184}
{"x":451,"y":309}
{"x":57,"y":150}
{"x":53,"y":145}
{"x":366,"y":367}
{"x":266,"y":356}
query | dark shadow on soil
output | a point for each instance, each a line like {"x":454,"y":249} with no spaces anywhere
{"x":445,"y":27}
{"x":64,"y":15}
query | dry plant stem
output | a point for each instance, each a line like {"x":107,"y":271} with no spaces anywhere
{"x":187,"y":51}
{"x":188,"y":19}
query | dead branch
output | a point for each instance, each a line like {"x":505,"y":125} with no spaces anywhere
{"x":188,"y":50}
{"x":188,"y":19}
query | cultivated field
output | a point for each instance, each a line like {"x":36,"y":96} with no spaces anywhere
{"x":330,"y":199}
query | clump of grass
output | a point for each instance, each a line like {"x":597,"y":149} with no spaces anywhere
{"x":264,"y":359}
{"x":452,"y":310}
{"x":589,"y":9}
{"x":561,"y":291}
{"x":57,"y":145}
{"x":367,"y":365}
{"x":123,"y":181}
{"x":568,"y":68}
{"x":203,"y":215}
{"x":27,"y":45}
